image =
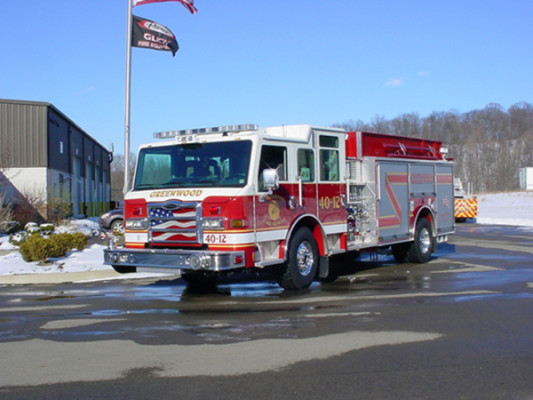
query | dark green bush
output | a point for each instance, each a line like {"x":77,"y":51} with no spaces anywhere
{"x":78,"y":241}
{"x":38,"y":248}
{"x":59,"y":244}
{"x":35,"y":248}
{"x":46,"y":228}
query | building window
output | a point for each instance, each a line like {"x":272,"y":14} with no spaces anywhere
{"x":61,"y":147}
{"x":61,"y":185}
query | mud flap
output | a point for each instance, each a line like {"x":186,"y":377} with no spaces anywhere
{"x":323,"y":267}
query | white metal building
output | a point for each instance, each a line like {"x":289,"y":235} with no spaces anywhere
{"x":44,"y":154}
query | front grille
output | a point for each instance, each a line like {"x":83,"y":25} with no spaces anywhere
{"x":174,"y":222}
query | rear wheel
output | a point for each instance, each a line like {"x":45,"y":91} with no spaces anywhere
{"x":301,"y":268}
{"x":421,"y":248}
{"x":399,"y":252}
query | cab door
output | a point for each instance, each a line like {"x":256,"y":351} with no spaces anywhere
{"x":331,"y":189}
{"x":306,"y":195}
{"x":273,"y":214}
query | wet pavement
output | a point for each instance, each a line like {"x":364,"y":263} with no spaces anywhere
{"x":460,"y":326}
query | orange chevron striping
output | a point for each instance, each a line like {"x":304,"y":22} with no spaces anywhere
{"x":466,"y":208}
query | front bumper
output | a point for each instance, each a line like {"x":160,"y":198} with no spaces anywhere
{"x":192,"y":260}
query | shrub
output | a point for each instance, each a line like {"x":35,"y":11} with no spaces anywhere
{"x":38,"y":248}
{"x":59,"y":244}
{"x":46,"y":228}
{"x":7,"y":214}
{"x":31,"y":227}
{"x":78,"y":241}
{"x":35,"y":248}
{"x":9,"y":226}
{"x":18,"y":238}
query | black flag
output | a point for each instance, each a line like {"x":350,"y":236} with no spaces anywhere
{"x":151,"y":35}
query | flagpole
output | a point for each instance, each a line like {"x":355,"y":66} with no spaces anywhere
{"x":127,"y":100}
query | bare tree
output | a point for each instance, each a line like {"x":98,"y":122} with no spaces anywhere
{"x":117,"y":175}
{"x":488,"y":145}
{"x":6,"y":202}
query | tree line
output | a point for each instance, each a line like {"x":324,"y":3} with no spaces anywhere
{"x":489,"y":146}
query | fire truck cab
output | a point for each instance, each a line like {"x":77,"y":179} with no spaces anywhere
{"x":211,"y":200}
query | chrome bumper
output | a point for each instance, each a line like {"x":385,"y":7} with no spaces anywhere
{"x":193,"y":260}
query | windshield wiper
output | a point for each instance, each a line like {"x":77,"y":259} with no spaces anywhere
{"x":213,"y":180}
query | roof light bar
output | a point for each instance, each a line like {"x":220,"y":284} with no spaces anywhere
{"x":204,"y":131}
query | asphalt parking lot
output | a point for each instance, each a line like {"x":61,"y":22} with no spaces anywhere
{"x":458,"y":327}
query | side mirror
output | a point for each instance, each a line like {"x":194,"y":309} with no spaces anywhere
{"x":270,"y":180}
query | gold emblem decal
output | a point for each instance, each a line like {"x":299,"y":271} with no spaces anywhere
{"x":176,"y":193}
{"x":274,"y":215}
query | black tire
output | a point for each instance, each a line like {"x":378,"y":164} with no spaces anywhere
{"x":421,"y":248}
{"x":302,"y":263}
{"x":399,"y":252}
{"x":121,"y":269}
{"x":200,"y":278}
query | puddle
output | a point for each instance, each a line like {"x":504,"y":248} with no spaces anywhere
{"x":492,"y":296}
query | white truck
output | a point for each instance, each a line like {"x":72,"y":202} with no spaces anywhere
{"x":465,"y":204}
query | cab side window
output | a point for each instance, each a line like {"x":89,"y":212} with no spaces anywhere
{"x":306,"y":165}
{"x":273,"y":157}
{"x":329,"y":158}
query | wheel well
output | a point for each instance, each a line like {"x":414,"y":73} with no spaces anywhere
{"x":315,"y":227}
{"x":427,"y":214}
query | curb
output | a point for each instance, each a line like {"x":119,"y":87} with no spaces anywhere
{"x":66,"y":277}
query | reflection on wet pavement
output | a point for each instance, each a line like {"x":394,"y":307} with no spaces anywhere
{"x":251,"y":307}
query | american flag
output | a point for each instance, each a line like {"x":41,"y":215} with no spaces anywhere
{"x":173,"y":225}
{"x":189,"y":4}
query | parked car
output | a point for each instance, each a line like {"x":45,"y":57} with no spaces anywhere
{"x":112,"y":220}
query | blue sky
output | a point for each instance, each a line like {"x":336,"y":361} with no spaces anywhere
{"x":266,"y":62}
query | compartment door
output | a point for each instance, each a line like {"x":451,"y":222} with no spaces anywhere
{"x":393,"y":202}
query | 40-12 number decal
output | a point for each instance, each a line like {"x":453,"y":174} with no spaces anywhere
{"x":215,"y":238}
{"x":325,"y":203}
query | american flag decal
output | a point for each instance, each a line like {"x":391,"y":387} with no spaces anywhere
{"x":177,"y":225}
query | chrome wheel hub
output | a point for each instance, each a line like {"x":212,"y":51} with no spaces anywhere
{"x":305,"y":258}
{"x":425,"y":241}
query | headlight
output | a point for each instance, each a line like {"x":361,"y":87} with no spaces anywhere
{"x":136,"y":224}
{"x":210,"y":224}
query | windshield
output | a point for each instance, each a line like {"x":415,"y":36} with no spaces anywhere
{"x":193,"y":165}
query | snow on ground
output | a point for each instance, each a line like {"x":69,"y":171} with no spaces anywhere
{"x":496,"y":209}
{"x":90,"y":259}
{"x":506,"y":209}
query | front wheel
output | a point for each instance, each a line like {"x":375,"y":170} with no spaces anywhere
{"x":122,"y":269}
{"x":200,"y":278}
{"x":421,"y":248}
{"x":301,"y":268}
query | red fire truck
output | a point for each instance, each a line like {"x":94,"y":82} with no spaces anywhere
{"x":208,"y":201}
